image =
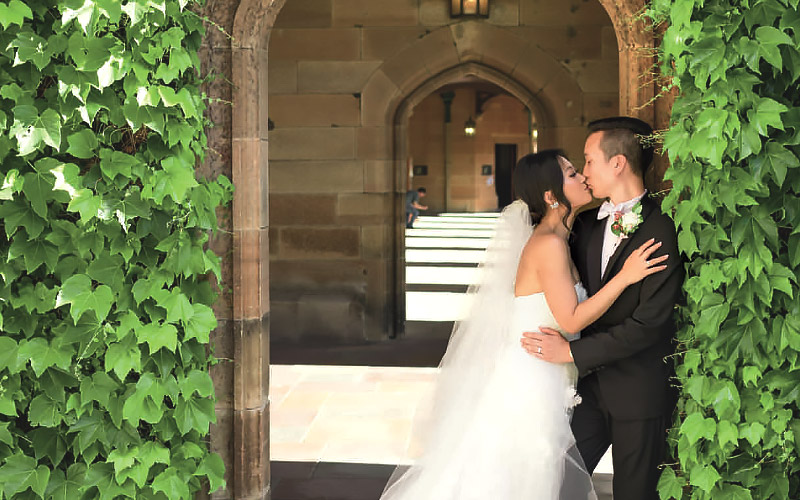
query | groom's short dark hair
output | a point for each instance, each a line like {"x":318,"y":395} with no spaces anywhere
{"x":626,"y":136}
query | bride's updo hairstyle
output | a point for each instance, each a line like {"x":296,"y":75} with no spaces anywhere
{"x":537,"y":173}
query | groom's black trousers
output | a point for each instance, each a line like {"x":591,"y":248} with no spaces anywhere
{"x":639,"y":446}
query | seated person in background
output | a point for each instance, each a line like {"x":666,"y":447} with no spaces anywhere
{"x":413,"y":206}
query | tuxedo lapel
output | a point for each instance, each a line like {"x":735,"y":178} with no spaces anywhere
{"x":594,"y":255}
{"x":648,"y":206}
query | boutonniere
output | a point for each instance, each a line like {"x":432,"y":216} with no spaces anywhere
{"x":625,"y":224}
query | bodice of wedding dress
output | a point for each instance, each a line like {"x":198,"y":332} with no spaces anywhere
{"x":532,"y":311}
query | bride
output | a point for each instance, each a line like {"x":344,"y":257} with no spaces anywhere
{"x":490,"y":393}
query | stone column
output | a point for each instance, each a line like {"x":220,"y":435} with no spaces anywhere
{"x":447,"y":98}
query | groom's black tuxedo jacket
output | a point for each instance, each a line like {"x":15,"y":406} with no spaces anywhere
{"x":626,"y":347}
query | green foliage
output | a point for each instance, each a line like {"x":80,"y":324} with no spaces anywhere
{"x":104,"y":279}
{"x":734,"y":145}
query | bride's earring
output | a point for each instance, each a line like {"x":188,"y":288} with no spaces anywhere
{"x":554,"y":205}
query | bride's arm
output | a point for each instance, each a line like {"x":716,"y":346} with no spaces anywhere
{"x":559,"y":291}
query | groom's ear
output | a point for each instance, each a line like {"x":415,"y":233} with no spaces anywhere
{"x":620,"y":163}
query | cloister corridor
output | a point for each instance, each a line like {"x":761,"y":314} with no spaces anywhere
{"x":341,"y":425}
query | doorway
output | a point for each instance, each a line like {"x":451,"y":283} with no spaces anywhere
{"x":505,"y":158}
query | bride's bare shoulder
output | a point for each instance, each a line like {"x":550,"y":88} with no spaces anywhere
{"x":542,"y":244}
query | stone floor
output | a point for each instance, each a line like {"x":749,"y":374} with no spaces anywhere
{"x":342,"y":416}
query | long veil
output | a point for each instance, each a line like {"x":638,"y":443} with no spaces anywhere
{"x":472,"y":357}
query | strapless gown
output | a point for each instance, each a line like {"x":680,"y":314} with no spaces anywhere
{"x":516,"y":443}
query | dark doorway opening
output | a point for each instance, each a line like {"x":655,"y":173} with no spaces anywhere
{"x":505,"y":158}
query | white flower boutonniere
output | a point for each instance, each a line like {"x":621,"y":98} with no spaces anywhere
{"x":625,"y":224}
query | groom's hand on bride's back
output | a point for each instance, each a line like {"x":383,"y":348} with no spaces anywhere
{"x":547,"y":344}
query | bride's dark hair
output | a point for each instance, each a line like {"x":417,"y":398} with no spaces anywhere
{"x":537,"y":173}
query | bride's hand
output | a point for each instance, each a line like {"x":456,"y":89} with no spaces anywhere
{"x":638,"y":265}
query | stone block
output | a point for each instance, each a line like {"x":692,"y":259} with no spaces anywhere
{"x":332,"y":143}
{"x":251,"y":445}
{"x":376,"y":242}
{"x":536,"y":68}
{"x":378,"y":176}
{"x":502,"y":49}
{"x":374,"y":143}
{"x":504,"y":12}
{"x":247,"y":122}
{"x":249,"y":299}
{"x":376,"y":100}
{"x":315,"y":44}
{"x":222,"y":376}
{"x":564,"y":98}
{"x":439,"y":50}
{"x":372,"y":13}
{"x":302,"y":209}
{"x":316,"y":176}
{"x":404,"y":69}
{"x":335,"y":317}
{"x":320,"y":243}
{"x":292,"y":278}
{"x":334,"y":77}
{"x":248,"y":199}
{"x":565,"y":42}
{"x":362,"y":204}
{"x":571,"y":140}
{"x":249,"y":364}
{"x":599,"y":105}
{"x":314,"y":110}
{"x":609,"y":43}
{"x":595,"y":76}
{"x":283,"y":323}
{"x":434,"y":13}
{"x":305,"y":14}
{"x":577,"y":13}
{"x":380,"y":44}
{"x":282,"y":76}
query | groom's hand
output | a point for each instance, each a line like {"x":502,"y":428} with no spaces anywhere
{"x":547,"y":344}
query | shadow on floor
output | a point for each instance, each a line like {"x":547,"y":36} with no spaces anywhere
{"x":422,"y":345}
{"x":345,"y":481}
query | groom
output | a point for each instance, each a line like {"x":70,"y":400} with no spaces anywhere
{"x":627,"y":400}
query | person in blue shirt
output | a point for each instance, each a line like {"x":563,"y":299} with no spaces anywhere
{"x":413,"y":206}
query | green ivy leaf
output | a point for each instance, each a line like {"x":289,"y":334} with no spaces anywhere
{"x":157,"y":336}
{"x":171,"y":485}
{"x":178,"y":307}
{"x":66,"y":487}
{"x":31,"y":130}
{"x":766,"y":113}
{"x":44,"y":411}
{"x":77,"y":291}
{"x":194,"y":413}
{"x":82,"y":144}
{"x":212,"y":467}
{"x":14,"y":12}
{"x":197,"y":382}
{"x":20,"y":473}
{"x":669,"y":485}
{"x":200,"y":324}
{"x":43,"y":355}
{"x":123,"y":357}
{"x":99,"y":387}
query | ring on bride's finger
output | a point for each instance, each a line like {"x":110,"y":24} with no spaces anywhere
{"x":540,"y":350}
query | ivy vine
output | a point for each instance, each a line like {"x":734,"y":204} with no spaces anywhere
{"x":104,"y":290}
{"x":733,"y":144}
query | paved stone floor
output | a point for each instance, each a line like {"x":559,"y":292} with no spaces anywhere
{"x":342,"y":416}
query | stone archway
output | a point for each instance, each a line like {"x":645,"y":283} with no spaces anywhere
{"x":241,"y":140}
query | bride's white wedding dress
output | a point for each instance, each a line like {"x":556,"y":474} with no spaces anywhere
{"x":499,"y":427}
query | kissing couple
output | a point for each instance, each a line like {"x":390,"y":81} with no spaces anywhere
{"x":563,"y":351}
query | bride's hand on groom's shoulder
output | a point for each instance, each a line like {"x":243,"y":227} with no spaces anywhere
{"x":547,"y":345}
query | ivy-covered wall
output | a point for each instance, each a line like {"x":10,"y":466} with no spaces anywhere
{"x":104,"y":291}
{"x":734,"y":143}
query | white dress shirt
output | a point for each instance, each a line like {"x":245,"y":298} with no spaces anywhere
{"x":610,"y":240}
